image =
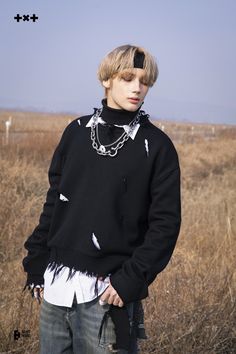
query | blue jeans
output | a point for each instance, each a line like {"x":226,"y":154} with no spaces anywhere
{"x":74,"y":330}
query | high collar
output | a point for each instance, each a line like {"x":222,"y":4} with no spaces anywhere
{"x":116,"y":116}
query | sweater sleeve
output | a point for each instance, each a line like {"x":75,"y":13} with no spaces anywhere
{"x":164,"y":219}
{"x":36,"y":260}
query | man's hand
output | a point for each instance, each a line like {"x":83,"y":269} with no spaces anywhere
{"x":38,"y":294}
{"x":111,"y":297}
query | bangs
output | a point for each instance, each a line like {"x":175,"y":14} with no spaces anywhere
{"x":129,"y":74}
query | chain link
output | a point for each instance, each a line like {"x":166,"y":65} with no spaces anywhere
{"x":101,"y":149}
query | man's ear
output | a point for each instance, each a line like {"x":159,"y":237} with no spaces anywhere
{"x":107,"y":83}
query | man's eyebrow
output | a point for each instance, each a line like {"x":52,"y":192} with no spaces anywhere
{"x":128,"y":72}
{"x":132,"y":74}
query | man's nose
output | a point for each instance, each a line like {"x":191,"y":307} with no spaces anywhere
{"x":136,"y":86}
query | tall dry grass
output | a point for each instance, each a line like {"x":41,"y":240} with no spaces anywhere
{"x":191,"y":307}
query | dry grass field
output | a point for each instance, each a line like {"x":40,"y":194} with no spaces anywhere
{"x":191,"y":305}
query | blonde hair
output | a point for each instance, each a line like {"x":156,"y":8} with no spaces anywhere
{"x":122,"y":58}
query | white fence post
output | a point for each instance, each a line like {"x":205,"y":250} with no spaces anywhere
{"x":7,"y":124}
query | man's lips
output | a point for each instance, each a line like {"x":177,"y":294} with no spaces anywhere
{"x":133,"y":99}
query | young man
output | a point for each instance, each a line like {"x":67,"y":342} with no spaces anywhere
{"x":111,"y":217}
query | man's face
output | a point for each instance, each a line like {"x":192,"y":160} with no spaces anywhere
{"x":123,"y":90}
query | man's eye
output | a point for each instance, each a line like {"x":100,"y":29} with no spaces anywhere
{"x":127,"y":78}
{"x":144,"y":81}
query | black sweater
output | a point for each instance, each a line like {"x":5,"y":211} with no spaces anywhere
{"x":129,"y":204}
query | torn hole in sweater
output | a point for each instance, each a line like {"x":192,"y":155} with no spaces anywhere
{"x":146,"y":147}
{"x":95,"y":241}
{"x":63,"y":198}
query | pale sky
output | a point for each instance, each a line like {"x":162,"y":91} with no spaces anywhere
{"x":51,"y":65}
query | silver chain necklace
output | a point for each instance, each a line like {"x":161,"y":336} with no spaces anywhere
{"x":103,"y":149}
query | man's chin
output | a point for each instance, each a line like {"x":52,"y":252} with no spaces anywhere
{"x":132,"y":107}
